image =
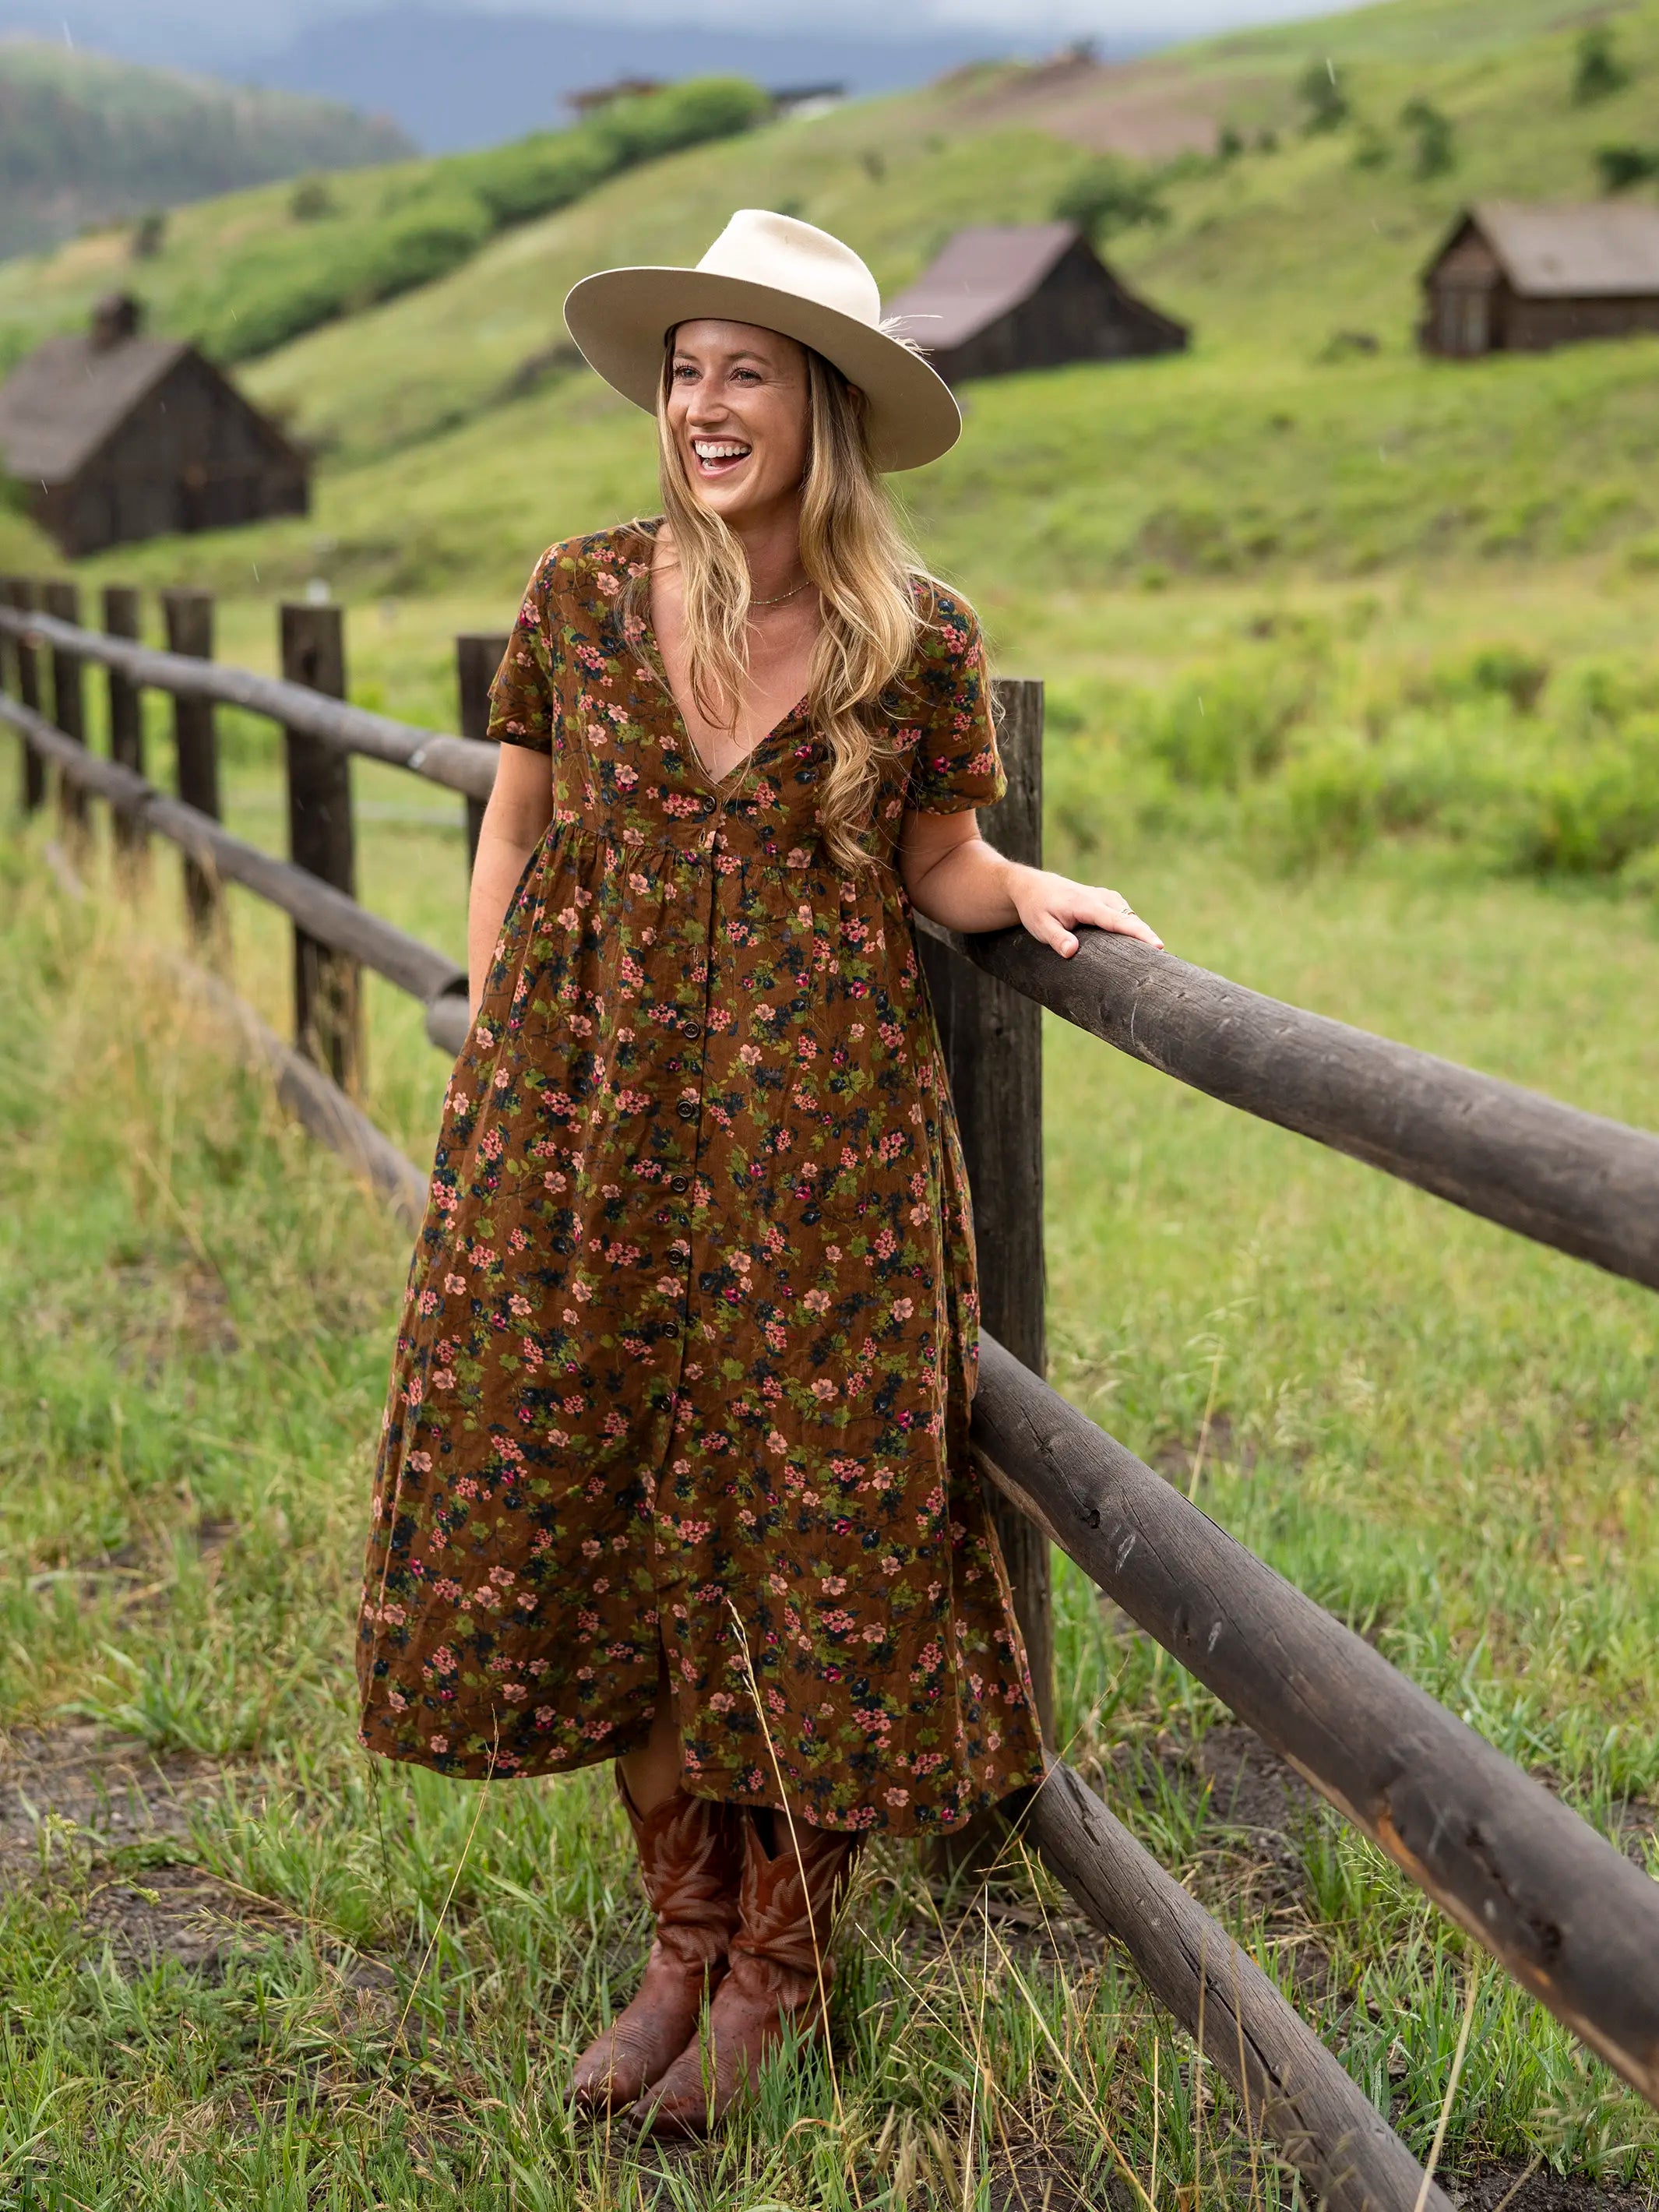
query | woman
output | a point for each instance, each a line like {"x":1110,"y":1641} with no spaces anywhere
{"x":675,"y":1468}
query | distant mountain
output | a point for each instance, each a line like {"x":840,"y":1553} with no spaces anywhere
{"x":456,"y":76}
{"x":85,"y":139}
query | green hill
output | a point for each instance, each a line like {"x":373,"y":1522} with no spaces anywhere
{"x":459,"y":435}
{"x":85,"y":139}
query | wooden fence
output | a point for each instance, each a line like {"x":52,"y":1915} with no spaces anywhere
{"x":1569,"y":1916}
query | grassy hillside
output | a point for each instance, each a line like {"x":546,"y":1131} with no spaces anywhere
{"x":85,"y":139}
{"x":252,"y":272}
{"x":456,"y":433}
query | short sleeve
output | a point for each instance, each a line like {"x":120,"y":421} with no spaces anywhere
{"x":522,"y":700}
{"x":956,"y":764}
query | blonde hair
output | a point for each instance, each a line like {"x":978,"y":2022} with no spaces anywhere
{"x":867,"y":575}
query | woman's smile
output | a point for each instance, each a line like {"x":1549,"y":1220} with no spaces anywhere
{"x":719,"y":456}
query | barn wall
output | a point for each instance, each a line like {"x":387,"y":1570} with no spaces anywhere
{"x":1077,"y":313}
{"x":193,"y":455}
{"x":1466,"y":306}
{"x":1533,"y":325}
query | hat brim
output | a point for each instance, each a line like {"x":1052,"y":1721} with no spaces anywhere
{"x":620,"y":320}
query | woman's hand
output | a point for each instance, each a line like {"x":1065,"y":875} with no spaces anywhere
{"x":1050,"y":907}
{"x":957,"y":880}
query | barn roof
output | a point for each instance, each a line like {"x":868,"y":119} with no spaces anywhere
{"x":981,"y":273}
{"x":59,"y":405}
{"x":1607,"y":250}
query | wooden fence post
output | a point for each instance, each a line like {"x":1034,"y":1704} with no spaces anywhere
{"x":62,"y":600}
{"x":327,"y":985}
{"x":993,"y":1040}
{"x":126,"y":711}
{"x":188,"y":616}
{"x":479,"y":654}
{"x":22,"y":596}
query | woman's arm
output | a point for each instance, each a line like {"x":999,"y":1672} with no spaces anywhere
{"x":957,"y":880}
{"x":515,"y":821}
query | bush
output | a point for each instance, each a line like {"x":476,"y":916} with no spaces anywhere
{"x":1110,"y":196}
{"x":1435,"y":151}
{"x":1227,"y":727}
{"x":645,"y":128}
{"x":1322,"y":90}
{"x":1599,"y":70}
{"x":1493,"y":671}
{"x":1621,"y":166}
{"x":312,"y":200}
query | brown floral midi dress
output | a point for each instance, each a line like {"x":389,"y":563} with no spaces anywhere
{"x":691,"y":1327}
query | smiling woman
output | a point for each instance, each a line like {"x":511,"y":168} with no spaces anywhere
{"x":675,"y":1468}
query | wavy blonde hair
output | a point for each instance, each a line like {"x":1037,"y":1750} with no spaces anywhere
{"x":867,"y":575}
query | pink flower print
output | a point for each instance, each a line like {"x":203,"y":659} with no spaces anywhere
{"x":437,"y":1743}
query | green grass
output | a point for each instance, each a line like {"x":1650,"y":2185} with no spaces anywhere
{"x":1440,"y":1432}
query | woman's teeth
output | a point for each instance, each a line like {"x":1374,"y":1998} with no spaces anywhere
{"x":715,"y":454}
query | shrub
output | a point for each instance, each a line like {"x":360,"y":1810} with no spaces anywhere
{"x":1501,"y":672}
{"x":1109,"y":196}
{"x":1226,"y":727}
{"x":1322,"y":90}
{"x":1621,"y":166}
{"x":312,"y":200}
{"x":654,"y":123}
{"x":1599,"y":70}
{"x":148,"y":235}
{"x":1435,"y":149}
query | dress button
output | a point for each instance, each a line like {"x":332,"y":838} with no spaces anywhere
{"x":679,"y":1185}
{"x":692,"y":1030}
{"x":710,"y":803}
{"x":686,"y":1110}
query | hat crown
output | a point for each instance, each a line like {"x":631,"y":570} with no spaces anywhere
{"x":759,"y":247}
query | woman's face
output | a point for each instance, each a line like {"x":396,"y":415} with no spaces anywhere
{"x":738,"y":411}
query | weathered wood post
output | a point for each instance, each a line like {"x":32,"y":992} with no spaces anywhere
{"x":479,"y":654}
{"x":993,"y":1040}
{"x":188,"y":616}
{"x":327,"y":985}
{"x":22,"y":596}
{"x":126,"y":710}
{"x":62,"y":600}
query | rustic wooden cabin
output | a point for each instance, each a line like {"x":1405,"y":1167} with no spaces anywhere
{"x":1517,"y":279}
{"x":115,"y":436}
{"x":1006,"y":296}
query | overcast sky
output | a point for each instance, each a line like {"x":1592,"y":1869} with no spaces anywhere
{"x":261,"y":21}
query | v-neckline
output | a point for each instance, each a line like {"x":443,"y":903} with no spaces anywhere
{"x":739,"y":768}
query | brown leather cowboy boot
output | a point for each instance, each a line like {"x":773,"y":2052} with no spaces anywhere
{"x":780,"y":1972}
{"x":690,"y":1860}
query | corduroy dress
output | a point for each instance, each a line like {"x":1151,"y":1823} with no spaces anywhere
{"x":691,"y":1329}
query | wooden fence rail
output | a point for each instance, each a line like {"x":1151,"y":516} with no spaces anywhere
{"x":1576,"y":1922}
{"x":459,"y":763}
{"x":1585,"y":1185}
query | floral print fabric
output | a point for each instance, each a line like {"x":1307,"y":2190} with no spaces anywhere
{"x":691,"y":1327}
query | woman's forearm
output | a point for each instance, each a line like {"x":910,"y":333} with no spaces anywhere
{"x":971,"y":886}
{"x":495,"y":874}
{"x":957,"y":880}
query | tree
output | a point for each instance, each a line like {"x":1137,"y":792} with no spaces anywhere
{"x":1600,"y":71}
{"x":1436,"y":148}
{"x":148,"y":235}
{"x":1230,"y":143}
{"x":1110,"y":196}
{"x":1323,"y":94}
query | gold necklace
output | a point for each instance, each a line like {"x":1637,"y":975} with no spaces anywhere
{"x":782,"y":596}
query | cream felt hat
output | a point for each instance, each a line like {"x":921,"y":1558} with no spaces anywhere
{"x":780,"y":275}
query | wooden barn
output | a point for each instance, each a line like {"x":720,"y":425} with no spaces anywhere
{"x":115,"y":436}
{"x":1002,"y":297}
{"x":1517,"y":279}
